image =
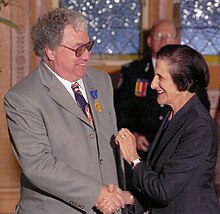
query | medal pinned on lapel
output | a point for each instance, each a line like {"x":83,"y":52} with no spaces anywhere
{"x":98,"y":106}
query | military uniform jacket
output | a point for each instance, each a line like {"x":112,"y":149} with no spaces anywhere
{"x":135,"y":102}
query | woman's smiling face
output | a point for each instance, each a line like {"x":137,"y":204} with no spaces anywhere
{"x":167,"y":91}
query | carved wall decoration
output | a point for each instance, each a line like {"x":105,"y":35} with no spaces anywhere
{"x":20,"y":41}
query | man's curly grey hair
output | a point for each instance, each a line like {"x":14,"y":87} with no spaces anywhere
{"x":49,"y":28}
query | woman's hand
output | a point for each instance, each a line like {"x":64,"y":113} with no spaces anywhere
{"x":127,"y":143}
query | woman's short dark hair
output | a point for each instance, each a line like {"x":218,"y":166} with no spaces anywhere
{"x":187,"y":67}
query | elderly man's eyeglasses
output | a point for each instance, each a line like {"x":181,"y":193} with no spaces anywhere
{"x":160,"y":36}
{"x":81,"y":49}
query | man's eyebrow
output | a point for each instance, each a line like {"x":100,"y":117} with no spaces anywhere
{"x":159,"y":75}
{"x":78,"y":44}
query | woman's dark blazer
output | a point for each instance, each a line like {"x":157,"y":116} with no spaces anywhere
{"x":178,"y":176}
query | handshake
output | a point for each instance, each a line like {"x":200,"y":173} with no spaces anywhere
{"x":112,"y":199}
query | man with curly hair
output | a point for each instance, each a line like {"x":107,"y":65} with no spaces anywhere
{"x":62,"y":123}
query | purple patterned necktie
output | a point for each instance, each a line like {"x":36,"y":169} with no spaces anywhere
{"x":81,"y":101}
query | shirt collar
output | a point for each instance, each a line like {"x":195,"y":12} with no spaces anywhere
{"x":67,"y":83}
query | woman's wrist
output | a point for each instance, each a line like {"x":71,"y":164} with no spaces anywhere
{"x":135,"y":162}
{"x":133,"y":157}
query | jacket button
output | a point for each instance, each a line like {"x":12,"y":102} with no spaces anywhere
{"x":91,"y":135}
{"x":161,"y":117}
{"x":101,"y":161}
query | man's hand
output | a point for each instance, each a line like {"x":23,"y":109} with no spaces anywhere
{"x":142,"y":143}
{"x":110,"y":199}
{"x":128,"y":197}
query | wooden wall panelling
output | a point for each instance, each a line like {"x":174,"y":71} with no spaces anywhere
{"x":160,"y":9}
{"x":8,"y":166}
{"x":15,"y":65}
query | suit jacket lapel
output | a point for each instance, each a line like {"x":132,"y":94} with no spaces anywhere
{"x":157,"y":137}
{"x":58,"y":92}
{"x":165,"y":145}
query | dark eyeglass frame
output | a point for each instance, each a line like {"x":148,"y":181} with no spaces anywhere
{"x":81,"y":49}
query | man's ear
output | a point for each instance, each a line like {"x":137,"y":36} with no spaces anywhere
{"x":50,"y":53}
{"x":177,"y":42}
{"x":149,"y":41}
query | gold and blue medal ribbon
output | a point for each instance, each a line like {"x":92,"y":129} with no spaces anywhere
{"x":94,"y":94}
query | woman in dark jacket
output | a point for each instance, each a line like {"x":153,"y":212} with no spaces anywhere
{"x":178,"y":175}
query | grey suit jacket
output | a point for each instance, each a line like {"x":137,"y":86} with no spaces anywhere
{"x":178,"y":176}
{"x":64,"y":160}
